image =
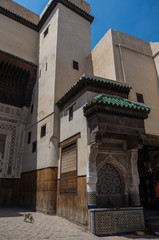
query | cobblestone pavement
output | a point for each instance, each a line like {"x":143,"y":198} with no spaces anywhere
{"x":13,"y":227}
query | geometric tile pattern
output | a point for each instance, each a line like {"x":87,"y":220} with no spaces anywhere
{"x":114,"y":221}
{"x":109,"y":187}
{"x":12,"y":130}
{"x":109,"y":180}
{"x":91,"y":199}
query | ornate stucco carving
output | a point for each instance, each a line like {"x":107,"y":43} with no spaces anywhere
{"x":12,"y":126}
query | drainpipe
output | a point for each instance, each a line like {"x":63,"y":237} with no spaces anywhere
{"x":122,"y":63}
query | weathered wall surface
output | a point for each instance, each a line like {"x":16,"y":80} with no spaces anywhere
{"x":76,"y":125}
{"x":139,"y":72}
{"x":74,"y":43}
{"x":43,"y":102}
{"x":122,"y":57}
{"x":74,"y":207}
{"x":36,"y":190}
{"x":155,"y":53}
{"x":57,"y":50}
{"x":47,"y":65}
{"x":103,"y":58}
{"x":23,"y":41}
{"x":6,"y":195}
{"x":20,"y":10}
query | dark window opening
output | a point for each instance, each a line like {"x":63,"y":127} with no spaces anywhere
{"x":43,"y":131}
{"x":46,"y":67}
{"x":140,"y":98}
{"x":34,"y":146}
{"x":75,"y":65}
{"x":29,"y":137}
{"x":70,"y":113}
{"x":32,"y":108}
{"x":46,"y":32}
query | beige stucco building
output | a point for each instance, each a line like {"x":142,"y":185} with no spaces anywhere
{"x":78,"y":128}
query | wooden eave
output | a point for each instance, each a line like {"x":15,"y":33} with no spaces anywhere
{"x":87,"y":84}
{"x":16,"y":59}
{"x":103,"y":108}
{"x":17,"y":79}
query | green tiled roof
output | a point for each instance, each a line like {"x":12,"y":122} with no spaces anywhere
{"x":118,"y":102}
{"x":116,"y":105}
{"x":98,"y":82}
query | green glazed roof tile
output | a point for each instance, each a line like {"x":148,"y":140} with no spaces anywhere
{"x":118,"y":102}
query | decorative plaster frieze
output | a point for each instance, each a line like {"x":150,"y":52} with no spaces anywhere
{"x":12,"y":125}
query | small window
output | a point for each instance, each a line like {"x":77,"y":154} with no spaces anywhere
{"x":70,"y":113}
{"x":34,"y":146}
{"x":29,"y":137}
{"x":43,"y":131}
{"x":46,"y":67}
{"x":140,"y":98}
{"x":75,"y":65}
{"x":46,"y":32}
{"x":32,"y":108}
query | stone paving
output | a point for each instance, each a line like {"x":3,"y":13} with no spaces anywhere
{"x":13,"y":227}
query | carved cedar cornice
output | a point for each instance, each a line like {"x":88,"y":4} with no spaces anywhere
{"x":17,"y":80}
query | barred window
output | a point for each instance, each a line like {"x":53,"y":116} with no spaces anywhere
{"x":140,"y":97}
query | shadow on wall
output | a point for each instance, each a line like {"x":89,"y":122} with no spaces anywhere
{"x":25,"y":190}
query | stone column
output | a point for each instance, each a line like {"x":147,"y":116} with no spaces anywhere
{"x":134,"y":179}
{"x":91,"y":176}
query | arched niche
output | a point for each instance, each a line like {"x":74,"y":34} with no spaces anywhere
{"x":110,"y":187}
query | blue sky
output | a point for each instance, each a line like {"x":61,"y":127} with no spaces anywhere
{"x":139,"y":18}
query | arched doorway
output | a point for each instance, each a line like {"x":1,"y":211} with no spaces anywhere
{"x":109,"y":187}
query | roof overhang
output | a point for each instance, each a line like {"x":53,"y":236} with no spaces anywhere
{"x":18,"y":78}
{"x":116,"y":105}
{"x":94,"y":84}
{"x":113,"y":116}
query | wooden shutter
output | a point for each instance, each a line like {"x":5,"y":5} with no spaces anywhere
{"x":69,"y":169}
